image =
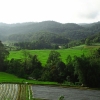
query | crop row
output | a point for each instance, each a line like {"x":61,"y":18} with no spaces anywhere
{"x":14,"y":92}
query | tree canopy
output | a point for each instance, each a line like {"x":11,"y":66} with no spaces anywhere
{"x":3,"y":54}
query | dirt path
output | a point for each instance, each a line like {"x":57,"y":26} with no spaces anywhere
{"x":53,"y":93}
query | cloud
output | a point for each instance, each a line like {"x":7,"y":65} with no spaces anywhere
{"x":90,"y":9}
{"x":89,"y":14}
{"x":64,"y":11}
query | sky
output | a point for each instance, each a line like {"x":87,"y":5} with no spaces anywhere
{"x":63,"y":11}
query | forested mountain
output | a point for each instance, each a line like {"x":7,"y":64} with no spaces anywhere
{"x":48,"y":30}
{"x":93,"y":39}
{"x":90,"y":24}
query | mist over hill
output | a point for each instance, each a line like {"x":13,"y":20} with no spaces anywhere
{"x":31,"y":31}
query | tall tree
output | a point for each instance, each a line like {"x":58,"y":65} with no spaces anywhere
{"x":36,"y":68}
{"x":53,"y":58}
{"x":87,"y":41}
{"x":53,"y":66}
{"x":3,"y":54}
{"x":71,"y":77}
{"x":32,"y":65}
{"x":88,"y":70}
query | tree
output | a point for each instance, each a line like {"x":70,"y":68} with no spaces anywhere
{"x":32,"y":66}
{"x":36,"y":69}
{"x":57,"y":69}
{"x":53,"y":58}
{"x":51,"y":69}
{"x":26,"y":60}
{"x":81,"y":68}
{"x":15,"y":66}
{"x":3,"y":55}
{"x":87,"y":41}
{"x":55,"y":72}
{"x":61,"y":69}
{"x":88,"y":70}
{"x":95,"y":54}
{"x":71,"y":77}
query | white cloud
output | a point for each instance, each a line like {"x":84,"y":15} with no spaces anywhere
{"x":90,"y":10}
{"x":64,"y":11}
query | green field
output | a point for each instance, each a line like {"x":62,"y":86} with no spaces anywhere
{"x":5,"y":77}
{"x":10,"y":78}
{"x":43,"y":54}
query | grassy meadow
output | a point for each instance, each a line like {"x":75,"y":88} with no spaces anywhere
{"x":43,"y":54}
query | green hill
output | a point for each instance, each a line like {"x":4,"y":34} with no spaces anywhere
{"x":9,"y":78}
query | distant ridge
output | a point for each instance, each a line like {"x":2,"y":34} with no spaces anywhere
{"x":69,"y":30}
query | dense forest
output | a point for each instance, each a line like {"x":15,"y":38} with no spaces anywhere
{"x":83,"y":69}
{"x":49,"y":34}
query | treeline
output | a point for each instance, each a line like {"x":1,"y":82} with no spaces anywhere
{"x":46,"y":40}
{"x":84,"y":69}
{"x":38,"y":45}
{"x":43,"y":40}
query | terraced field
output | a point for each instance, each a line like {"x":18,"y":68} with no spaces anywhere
{"x":15,"y":92}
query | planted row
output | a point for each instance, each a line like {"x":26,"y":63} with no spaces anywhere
{"x":14,"y":92}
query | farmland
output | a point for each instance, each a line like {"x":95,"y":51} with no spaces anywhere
{"x":14,"y":88}
{"x":10,"y":78}
{"x":43,"y":54}
{"x":14,"y":92}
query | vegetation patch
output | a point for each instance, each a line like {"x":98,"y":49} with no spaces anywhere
{"x":43,"y":54}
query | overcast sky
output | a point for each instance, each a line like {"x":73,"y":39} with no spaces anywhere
{"x":63,"y":11}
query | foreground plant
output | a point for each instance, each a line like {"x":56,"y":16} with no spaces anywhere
{"x":61,"y":98}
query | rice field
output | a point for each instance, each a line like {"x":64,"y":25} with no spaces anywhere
{"x":14,"y":88}
{"x":43,"y":54}
{"x":15,"y":92}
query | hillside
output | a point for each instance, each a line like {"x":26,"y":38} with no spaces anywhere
{"x":31,"y":27}
{"x":33,"y":30}
{"x":6,"y":77}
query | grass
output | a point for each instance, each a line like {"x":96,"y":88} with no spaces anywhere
{"x":10,"y":78}
{"x":43,"y":54}
{"x":5,"y":77}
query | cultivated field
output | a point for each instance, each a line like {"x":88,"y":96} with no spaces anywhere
{"x":14,"y":88}
{"x":15,"y":92}
{"x":43,"y":54}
